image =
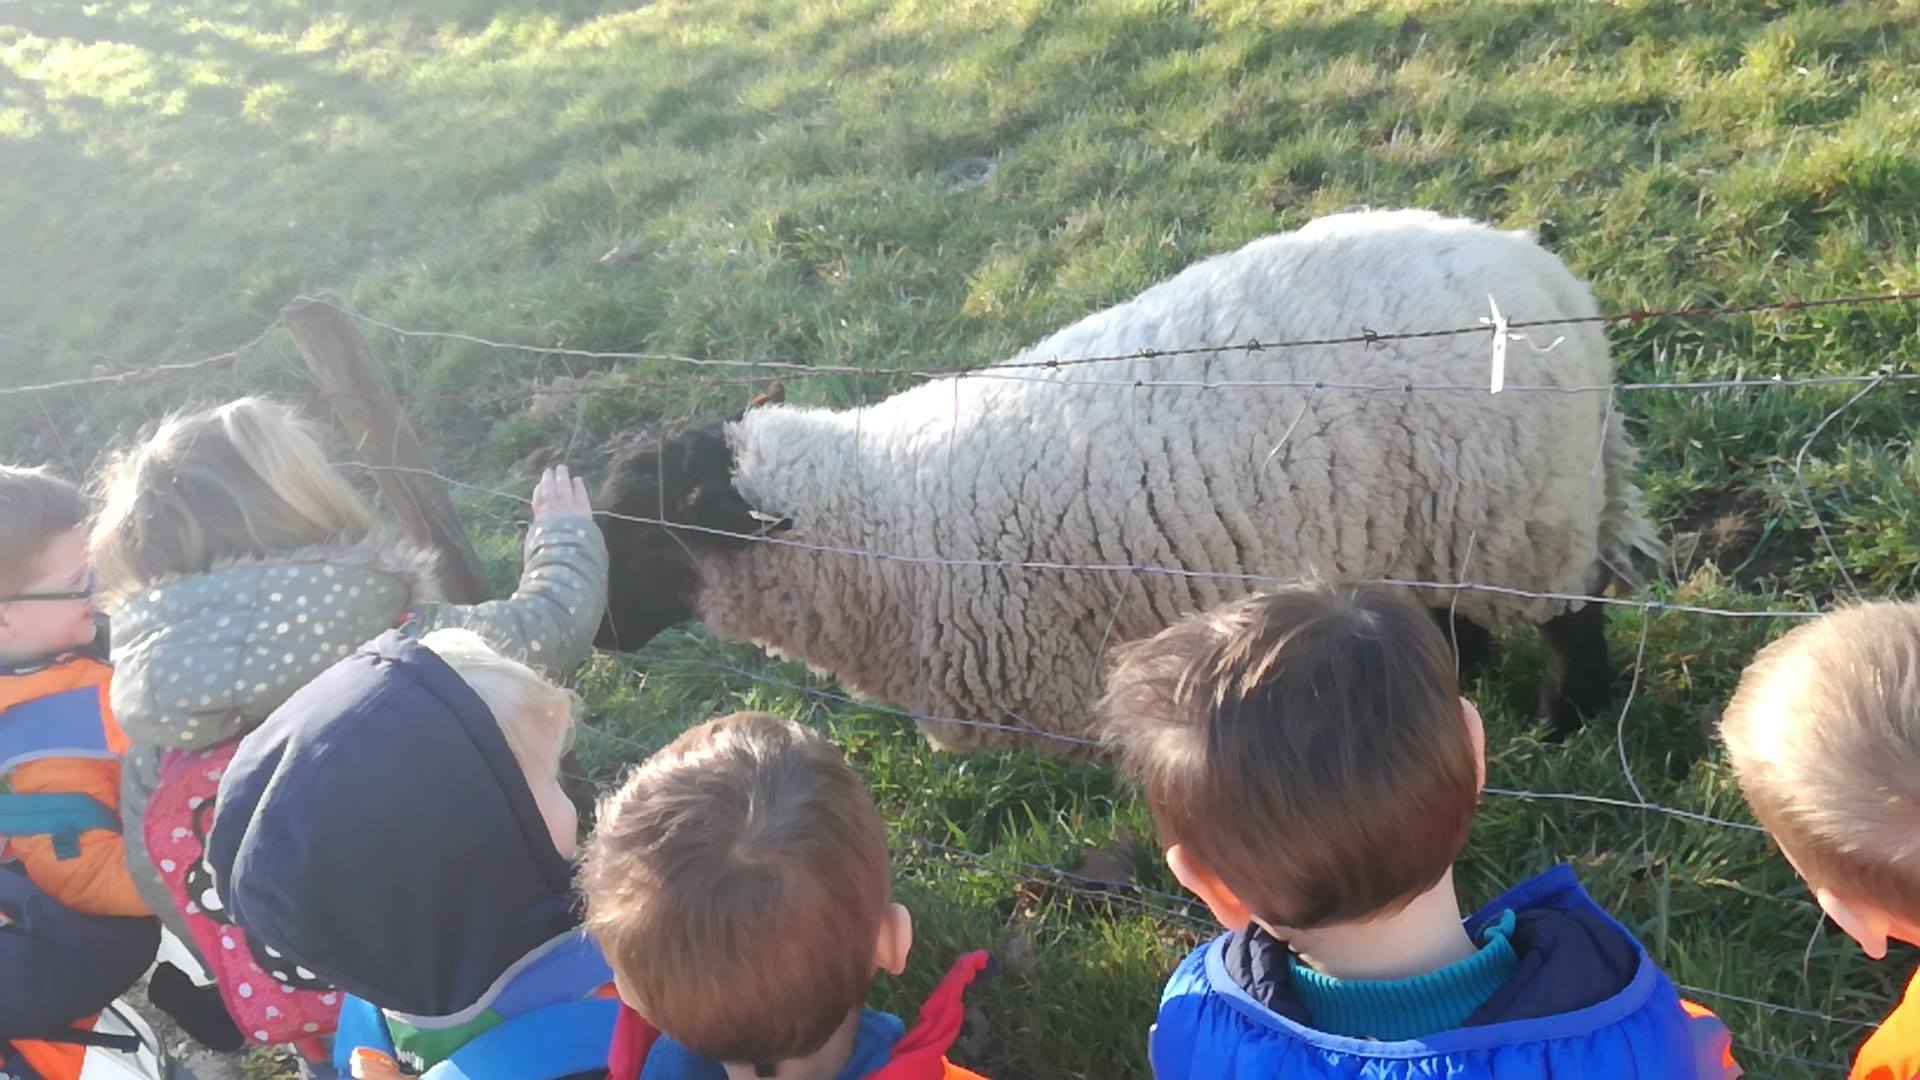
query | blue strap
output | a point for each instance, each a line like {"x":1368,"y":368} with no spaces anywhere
{"x":57,"y":814}
{"x":66,"y":724}
{"x":559,"y":1040}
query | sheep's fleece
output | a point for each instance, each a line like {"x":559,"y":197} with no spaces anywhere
{"x":1079,"y":465}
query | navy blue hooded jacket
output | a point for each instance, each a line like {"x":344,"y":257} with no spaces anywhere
{"x":1585,"y":1001}
{"x":378,"y":831}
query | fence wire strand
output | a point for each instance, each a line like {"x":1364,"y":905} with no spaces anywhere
{"x":579,"y":386}
{"x":131,"y":375}
{"x":1363,"y":336}
{"x":1101,"y":568}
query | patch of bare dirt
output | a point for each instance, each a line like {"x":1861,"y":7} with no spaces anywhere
{"x":1736,"y":530}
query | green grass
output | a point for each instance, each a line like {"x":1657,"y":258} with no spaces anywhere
{"x":794,"y":177}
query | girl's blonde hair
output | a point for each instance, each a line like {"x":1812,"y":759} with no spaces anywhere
{"x":247,"y":479}
{"x":536,"y":716}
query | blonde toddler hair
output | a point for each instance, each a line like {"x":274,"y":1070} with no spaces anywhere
{"x":247,"y":479}
{"x":536,"y":716}
{"x":1824,"y":737}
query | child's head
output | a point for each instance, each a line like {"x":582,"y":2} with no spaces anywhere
{"x":1305,"y":753}
{"x":244,"y":480}
{"x":738,"y":881}
{"x":536,"y":717}
{"x":1824,"y":736}
{"x":45,"y":578}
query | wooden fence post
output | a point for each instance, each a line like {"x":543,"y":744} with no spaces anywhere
{"x":366,"y":405}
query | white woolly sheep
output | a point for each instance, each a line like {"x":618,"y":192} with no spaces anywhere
{"x":1263,"y":481}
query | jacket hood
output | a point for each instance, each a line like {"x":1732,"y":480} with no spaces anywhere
{"x":381,"y":551}
{"x":201,"y":658}
{"x":1572,"y":956}
{"x":377,"y":830}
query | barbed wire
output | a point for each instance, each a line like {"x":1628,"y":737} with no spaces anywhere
{"x":1010,"y":370}
{"x":1780,"y":1055}
{"x":1774,"y":1006}
{"x":121,"y":378}
{"x":1366,"y":337}
{"x":531,"y":394}
{"x":1172,"y":907}
{"x":614,"y":385}
{"x":1082,"y":741}
{"x":1625,"y":804}
{"x":1103,"y":568}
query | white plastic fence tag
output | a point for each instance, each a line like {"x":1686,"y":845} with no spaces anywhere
{"x":1498,"y":382}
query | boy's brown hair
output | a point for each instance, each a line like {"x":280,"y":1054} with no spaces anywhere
{"x":1305,"y":746}
{"x":737,"y":881}
{"x":1824,"y":736}
{"x":35,"y":507}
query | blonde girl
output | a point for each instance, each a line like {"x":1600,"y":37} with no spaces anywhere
{"x":237,"y":564}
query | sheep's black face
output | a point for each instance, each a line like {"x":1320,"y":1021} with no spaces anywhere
{"x":684,"y":481}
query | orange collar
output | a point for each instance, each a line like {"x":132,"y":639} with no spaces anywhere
{"x":69,"y":672}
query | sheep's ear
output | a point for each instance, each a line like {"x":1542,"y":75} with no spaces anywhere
{"x":772,"y":395}
{"x":701,"y":491}
{"x":686,"y":479}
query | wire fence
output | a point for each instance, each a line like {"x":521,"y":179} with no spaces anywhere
{"x":1175,"y":910}
{"x":764,"y":370}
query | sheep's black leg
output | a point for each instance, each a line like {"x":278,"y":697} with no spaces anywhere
{"x":1578,"y":680}
{"x":1472,"y":645}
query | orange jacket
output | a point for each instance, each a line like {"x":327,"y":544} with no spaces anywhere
{"x":53,"y":1060}
{"x":96,"y":882}
{"x":1893,"y":1052}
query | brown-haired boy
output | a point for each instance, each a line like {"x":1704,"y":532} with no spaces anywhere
{"x":738,"y":882}
{"x":1824,"y":736}
{"x":1314,"y":773}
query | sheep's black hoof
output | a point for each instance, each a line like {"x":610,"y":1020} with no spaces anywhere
{"x":1560,"y":720}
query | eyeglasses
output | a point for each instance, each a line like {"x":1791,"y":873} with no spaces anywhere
{"x":85,"y":593}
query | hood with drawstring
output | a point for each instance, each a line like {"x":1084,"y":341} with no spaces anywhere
{"x":377,"y":830}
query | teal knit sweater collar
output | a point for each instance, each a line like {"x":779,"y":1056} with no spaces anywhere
{"x":1394,"y":1009}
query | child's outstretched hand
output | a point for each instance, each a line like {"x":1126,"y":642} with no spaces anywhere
{"x":560,"y":494}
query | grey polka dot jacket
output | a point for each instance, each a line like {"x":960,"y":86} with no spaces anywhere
{"x":204,"y":659}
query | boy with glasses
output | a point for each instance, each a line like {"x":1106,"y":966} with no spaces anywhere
{"x":59,"y":744}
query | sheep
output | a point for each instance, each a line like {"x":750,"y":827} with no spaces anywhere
{"x":1220,"y":489}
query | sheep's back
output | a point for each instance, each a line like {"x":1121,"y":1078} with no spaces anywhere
{"x":1189,"y":480}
